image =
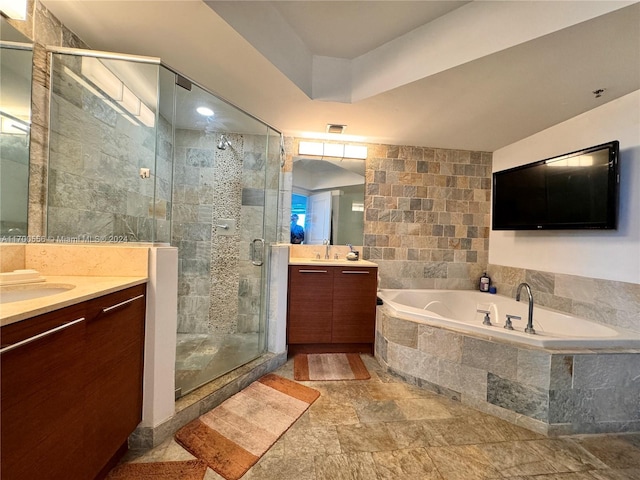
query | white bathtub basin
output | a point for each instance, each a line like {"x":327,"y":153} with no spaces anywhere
{"x":458,"y":309}
{"x":19,"y":293}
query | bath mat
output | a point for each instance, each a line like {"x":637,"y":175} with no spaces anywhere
{"x":329,"y":366}
{"x":187,"y":470}
{"x":234,"y":435}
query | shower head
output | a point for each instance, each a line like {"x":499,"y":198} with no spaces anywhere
{"x":223,"y":143}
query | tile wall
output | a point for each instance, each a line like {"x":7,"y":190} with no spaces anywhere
{"x":219,"y":287}
{"x":95,"y":154}
{"x":603,"y":301}
{"x":554,"y":392}
{"x":426,"y":214}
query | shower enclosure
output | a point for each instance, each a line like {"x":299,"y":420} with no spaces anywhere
{"x":131,"y":159}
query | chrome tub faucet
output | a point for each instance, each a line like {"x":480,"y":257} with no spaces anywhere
{"x":526,"y":286}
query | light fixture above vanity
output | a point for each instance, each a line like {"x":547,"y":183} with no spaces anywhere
{"x":336,"y":150}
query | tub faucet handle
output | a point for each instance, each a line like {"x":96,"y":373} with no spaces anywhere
{"x":487,"y":318}
{"x":508,"y":324}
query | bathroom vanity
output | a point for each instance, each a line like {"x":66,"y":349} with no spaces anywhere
{"x":72,"y":384}
{"x":331,"y":306}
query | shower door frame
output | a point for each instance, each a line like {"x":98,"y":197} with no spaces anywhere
{"x":258,"y":244}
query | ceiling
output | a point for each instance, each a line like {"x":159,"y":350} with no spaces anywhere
{"x":451,"y":74}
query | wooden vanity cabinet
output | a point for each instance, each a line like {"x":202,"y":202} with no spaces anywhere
{"x":42,"y":391}
{"x":71,"y":388}
{"x":331,"y":308}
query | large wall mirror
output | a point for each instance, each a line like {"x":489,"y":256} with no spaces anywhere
{"x":328,"y":200}
{"x":16,"y":59}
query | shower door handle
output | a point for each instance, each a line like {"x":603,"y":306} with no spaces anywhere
{"x":257,"y":251}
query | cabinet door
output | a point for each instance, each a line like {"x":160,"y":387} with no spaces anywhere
{"x":114,"y":361}
{"x":310,"y":306}
{"x":354,"y":305}
{"x":42,"y":397}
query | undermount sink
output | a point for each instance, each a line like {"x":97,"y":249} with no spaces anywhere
{"x":18,"y":293}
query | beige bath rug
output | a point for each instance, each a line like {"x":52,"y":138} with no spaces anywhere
{"x":329,"y":366}
{"x":187,"y":470}
{"x":234,"y":435}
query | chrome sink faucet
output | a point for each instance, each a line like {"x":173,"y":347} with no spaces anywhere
{"x":325,"y":242}
{"x":526,"y":286}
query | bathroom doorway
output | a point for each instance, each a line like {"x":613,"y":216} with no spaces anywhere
{"x":224,"y":213}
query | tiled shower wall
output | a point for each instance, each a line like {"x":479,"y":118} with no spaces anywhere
{"x":95,"y":190}
{"x":218,"y":286}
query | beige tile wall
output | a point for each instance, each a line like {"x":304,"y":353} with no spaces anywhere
{"x":427,"y":216}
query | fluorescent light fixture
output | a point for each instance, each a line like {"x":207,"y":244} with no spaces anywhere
{"x":13,"y":126}
{"x":129,"y":106}
{"x":338,"y":150}
{"x":129,"y":101}
{"x":355,"y":151}
{"x":204,"y":111}
{"x":147,"y":116}
{"x":102,"y":77}
{"x":311,"y":148}
{"x":15,"y":9}
{"x":337,"y":137}
{"x":334,"y":150}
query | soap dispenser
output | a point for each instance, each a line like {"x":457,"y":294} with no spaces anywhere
{"x":485,"y":282}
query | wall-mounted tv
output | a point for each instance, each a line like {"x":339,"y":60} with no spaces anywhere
{"x":577,"y":190}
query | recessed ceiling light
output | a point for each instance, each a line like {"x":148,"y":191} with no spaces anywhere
{"x":204,"y":111}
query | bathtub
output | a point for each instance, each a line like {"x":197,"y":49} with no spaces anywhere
{"x":457,"y":310}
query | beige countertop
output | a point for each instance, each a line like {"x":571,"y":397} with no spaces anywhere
{"x":331,"y":262}
{"x":84,"y":288}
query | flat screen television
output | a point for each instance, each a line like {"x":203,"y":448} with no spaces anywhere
{"x":577,"y":190}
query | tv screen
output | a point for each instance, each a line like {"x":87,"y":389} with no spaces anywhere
{"x":576,"y":190}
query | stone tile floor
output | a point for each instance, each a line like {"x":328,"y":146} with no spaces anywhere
{"x":383,"y":428}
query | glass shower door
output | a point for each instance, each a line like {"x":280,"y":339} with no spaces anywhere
{"x":218,"y":220}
